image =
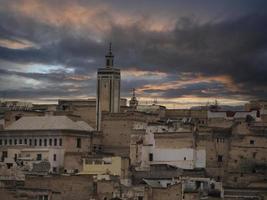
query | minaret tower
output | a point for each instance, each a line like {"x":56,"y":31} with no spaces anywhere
{"x":108,"y":88}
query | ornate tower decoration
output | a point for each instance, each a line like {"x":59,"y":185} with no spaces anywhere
{"x":108,"y":88}
{"x":133,"y":101}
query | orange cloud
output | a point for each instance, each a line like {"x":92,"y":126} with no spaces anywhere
{"x":224,"y":79}
{"x":69,"y":13}
{"x":78,"y":78}
{"x":133,"y":72}
{"x":16,"y":44}
{"x":97,"y":17}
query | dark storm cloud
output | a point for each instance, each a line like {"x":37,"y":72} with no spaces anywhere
{"x":236,"y":48}
{"x":54,"y":54}
{"x":233,"y":45}
{"x":15,"y":26}
{"x":32,"y":93}
{"x":57,"y":76}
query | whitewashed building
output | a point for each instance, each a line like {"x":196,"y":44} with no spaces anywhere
{"x":163,"y":144}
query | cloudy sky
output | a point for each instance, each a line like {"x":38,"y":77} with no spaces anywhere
{"x":181,"y":53}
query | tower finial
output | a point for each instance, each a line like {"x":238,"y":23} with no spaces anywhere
{"x":110,"y":49}
{"x":109,"y":57}
{"x":133,"y":101}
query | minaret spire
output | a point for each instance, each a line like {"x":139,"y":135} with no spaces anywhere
{"x":109,"y":57}
{"x":110,"y":49}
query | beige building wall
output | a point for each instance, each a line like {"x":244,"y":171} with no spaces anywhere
{"x":216,"y":144}
{"x":117,"y":129}
{"x":172,"y":192}
{"x":64,"y":187}
{"x":187,"y":113}
{"x":248,"y":160}
{"x":174,"y":140}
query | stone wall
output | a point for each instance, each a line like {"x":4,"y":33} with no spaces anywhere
{"x":63,"y":187}
{"x":172,"y":192}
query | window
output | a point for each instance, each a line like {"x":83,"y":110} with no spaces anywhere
{"x":4,"y":154}
{"x":78,"y":143}
{"x":30,"y":142}
{"x":0,"y":141}
{"x":150,"y":156}
{"x":99,"y":162}
{"x":17,"y":117}
{"x":45,"y":142}
{"x":50,"y":142}
{"x":220,"y":140}
{"x":254,"y":154}
{"x":251,"y":141}
{"x":5,"y":142}
{"x":184,"y":158}
{"x":9,"y":165}
{"x":40,"y":142}
{"x":25,"y":141}
{"x":39,"y":156}
{"x":35,"y":142}
{"x":10,"y":141}
{"x":43,"y":197}
{"x":54,"y":169}
{"x":55,"y":157}
{"x":220,"y":158}
{"x":15,"y":141}
{"x":55,"y":142}
{"x":60,"y":142}
{"x":212,"y":186}
{"x":20,"y":141}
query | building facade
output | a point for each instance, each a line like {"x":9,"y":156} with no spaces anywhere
{"x":54,"y":139}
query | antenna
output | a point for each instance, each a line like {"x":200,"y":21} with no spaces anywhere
{"x":216,"y":102}
{"x":155,"y":101}
{"x":133,"y":92}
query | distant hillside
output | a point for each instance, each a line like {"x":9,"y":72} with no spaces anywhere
{"x":221,"y":107}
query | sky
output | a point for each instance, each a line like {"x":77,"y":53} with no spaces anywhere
{"x":181,"y":53}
